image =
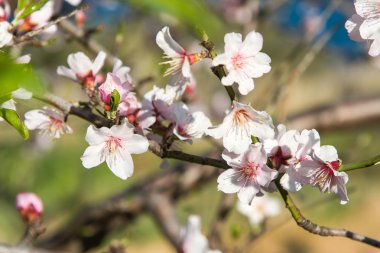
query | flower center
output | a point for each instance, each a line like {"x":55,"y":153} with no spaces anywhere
{"x":249,"y":171}
{"x":182,"y":131}
{"x":279,"y":158}
{"x":237,"y":61}
{"x":112,"y":144}
{"x":241,"y":117}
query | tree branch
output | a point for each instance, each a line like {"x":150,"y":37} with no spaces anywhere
{"x":360,"y":165}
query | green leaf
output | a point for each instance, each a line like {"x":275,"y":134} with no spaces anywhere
{"x":115,"y":100}
{"x":13,"y":76}
{"x":21,"y":5}
{"x":32,"y":6}
{"x":14,"y":120}
{"x":5,"y":98}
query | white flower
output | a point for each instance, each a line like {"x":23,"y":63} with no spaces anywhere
{"x":323,"y":173}
{"x":114,"y":146}
{"x":243,"y":60}
{"x":48,"y":121}
{"x":178,"y":59}
{"x":260,"y":209}
{"x":365,"y":25}
{"x":248,"y":175}
{"x":193,"y":241}
{"x":82,"y":69}
{"x":187,"y":125}
{"x":5,"y":36}
{"x":238,"y":126}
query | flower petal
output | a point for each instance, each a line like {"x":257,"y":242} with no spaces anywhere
{"x":93,"y":156}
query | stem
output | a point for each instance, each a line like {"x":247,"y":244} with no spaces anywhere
{"x":360,"y":165}
{"x":219,"y":71}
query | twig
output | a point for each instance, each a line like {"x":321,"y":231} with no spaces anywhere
{"x":321,"y":230}
{"x":360,"y":165}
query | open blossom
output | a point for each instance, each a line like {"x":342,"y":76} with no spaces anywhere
{"x":365,"y":25}
{"x":159,"y":102}
{"x":178,"y":59}
{"x":193,"y":241}
{"x":243,"y":60}
{"x":260,"y":209}
{"x":48,"y":121}
{"x":114,"y":146}
{"x":5,"y":36}
{"x":249,"y":175}
{"x":238,"y":126}
{"x":82,"y":69}
{"x":29,"y":205}
{"x":322,"y":172}
{"x":112,"y":83}
{"x":287,"y":150}
{"x":189,"y":125}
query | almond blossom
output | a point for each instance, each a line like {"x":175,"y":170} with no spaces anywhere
{"x":193,"y":241}
{"x":249,"y":175}
{"x":178,"y":59}
{"x":189,"y":125}
{"x":112,"y":83}
{"x":285,"y":152}
{"x":82,"y":69}
{"x":365,"y":25}
{"x":260,"y":209}
{"x":240,"y":123}
{"x":243,"y":60}
{"x":29,"y":205}
{"x":114,"y":146}
{"x":48,"y":121}
{"x":322,"y":172}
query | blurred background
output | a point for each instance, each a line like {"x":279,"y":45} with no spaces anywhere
{"x":315,"y":66}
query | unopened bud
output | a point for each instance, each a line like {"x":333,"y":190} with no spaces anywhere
{"x":80,"y":18}
{"x":29,"y":205}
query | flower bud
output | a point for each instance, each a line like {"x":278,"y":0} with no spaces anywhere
{"x":29,"y":205}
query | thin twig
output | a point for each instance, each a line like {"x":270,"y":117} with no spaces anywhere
{"x":360,"y":165}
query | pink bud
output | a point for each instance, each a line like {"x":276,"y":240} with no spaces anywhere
{"x":29,"y":205}
{"x":80,"y":18}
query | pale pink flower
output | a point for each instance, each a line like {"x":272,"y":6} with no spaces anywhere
{"x":193,"y":241}
{"x":322,"y":172}
{"x":365,"y":25}
{"x":82,"y":69}
{"x":29,"y":205}
{"x":178,"y":59}
{"x":238,"y":126}
{"x":249,"y":175}
{"x":5,"y":36}
{"x":48,"y":121}
{"x":189,"y":125}
{"x":243,"y":60}
{"x":260,"y":209}
{"x":114,"y":146}
{"x":286,"y":150}
{"x":128,"y":105}
{"x":112,"y":83}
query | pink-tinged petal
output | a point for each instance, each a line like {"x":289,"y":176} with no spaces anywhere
{"x":80,"y":63}
{"x":136,"y":144}
{"x":122,"y":131}
{"x":370,"y":29}
{"x":262,"y":61}
{"x":95,"y":136}
{"x":255,"y":153}
{"x":120,"y":163}
{"x":221,"y":59}
{"x":232,"y":42}
{"x":93,"y":156}
{"x":98,"y":62}
{"x":307,"y":168}
{"x":252,"y":44}
{"x":352,"y":26}
{"x":35,"y":118}
{"x":64,"y":71}
{"x":266,"y":175}
{"x":236,"y":141}
{"x":374,"y":50}
{"x":288,"y":182}
{"x":327,"y":153}
{"x":248,"y":193}
{"x":228,"y":181}
{"x":165,"y":41}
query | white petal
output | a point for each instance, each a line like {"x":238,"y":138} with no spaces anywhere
{"x":370,"y":29}
{"x":221,"y":59}
{"x":252,"y":44}
{"x":165,"y":41}
{"x":99,"y":62}
{"x":93,"y":156}
{"x":120,"y":163}
{"x":352,"y":26}
{"x":232,"y":42}
{"x":327,"y":153}
{"x":227,"y":181}
{"x":375,"y":47}
{"x":64,"y":71}
{"x":136,"y":144}
{"x":35,"y":118}
{"x":96,"y":136}
{"x":80,"y":63}
{"x":247,"y":193}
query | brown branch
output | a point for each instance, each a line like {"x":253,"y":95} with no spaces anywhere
{"x":23,"y":249}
